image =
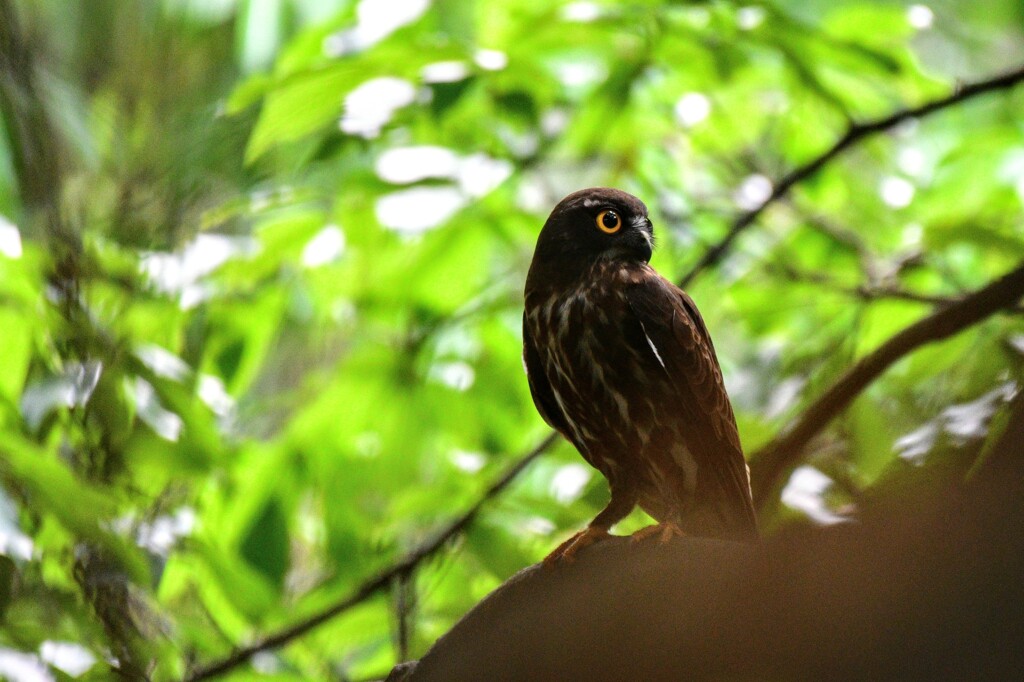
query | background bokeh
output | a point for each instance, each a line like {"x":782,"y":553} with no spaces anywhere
{"x":261,"y":265}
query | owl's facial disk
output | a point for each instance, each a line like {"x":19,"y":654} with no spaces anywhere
{"x":597,"y":223}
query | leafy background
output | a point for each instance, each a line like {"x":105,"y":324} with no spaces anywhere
{"x":261,"y":266}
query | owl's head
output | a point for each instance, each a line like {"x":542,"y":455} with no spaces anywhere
{"x":593,"y":224}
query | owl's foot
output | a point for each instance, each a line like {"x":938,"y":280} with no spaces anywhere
{"x":666,"y":530}
{"x":566,"y":552}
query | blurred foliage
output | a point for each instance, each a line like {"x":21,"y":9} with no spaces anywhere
{"x":283,"y":348}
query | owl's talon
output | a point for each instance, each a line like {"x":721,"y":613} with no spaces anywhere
{"x":566,"y":552}
{"x":666,"y":529}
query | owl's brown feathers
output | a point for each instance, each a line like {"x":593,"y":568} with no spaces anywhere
{"x":620,"y":363}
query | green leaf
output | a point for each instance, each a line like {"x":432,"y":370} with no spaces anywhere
{"x":80,"y":508}
{"x":265,"y":546}
{"x":301,"y":105}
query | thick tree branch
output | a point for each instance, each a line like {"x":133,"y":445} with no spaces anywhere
{"x":379,"y":581}
{"x":853,"y":135}
{"x":925,"y":586}
{"x":770,"y":463}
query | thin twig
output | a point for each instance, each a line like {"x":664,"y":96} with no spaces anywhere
{"x":770,"y":463}
{"x":837,"y":233}
{"x":854,"y":134}
{"x":871,"y":292}
{"x":381,"y":580}
{"x":867,"y":292}
{"x":864,"y":292}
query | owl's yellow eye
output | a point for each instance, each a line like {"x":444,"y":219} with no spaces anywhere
{"x":609,"y":222}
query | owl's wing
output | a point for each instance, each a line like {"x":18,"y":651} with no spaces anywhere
{"x":540,"y":389}
{"x":680,"y":343}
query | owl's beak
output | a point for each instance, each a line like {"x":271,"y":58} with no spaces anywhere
{"x":642,"y":238}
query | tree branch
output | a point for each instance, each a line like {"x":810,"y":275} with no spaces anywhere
{"x":925,"y":586}
{"x":770,"y":463}
{"x":379,"y":581}
{"x":855,"y":133}
{"x":865,"y":292}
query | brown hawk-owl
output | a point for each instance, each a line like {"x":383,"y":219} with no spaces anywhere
{"x":620,"y":363}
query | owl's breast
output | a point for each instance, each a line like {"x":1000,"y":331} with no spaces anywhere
{"x":606,"y":382}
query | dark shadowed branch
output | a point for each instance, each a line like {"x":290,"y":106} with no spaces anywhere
{"x":382,"y":579}
{"x":770,"y":463}
{"x":925,"y":586}
{"x":854,"y":134}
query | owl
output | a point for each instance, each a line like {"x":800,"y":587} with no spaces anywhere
{"x":620,"y":363}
